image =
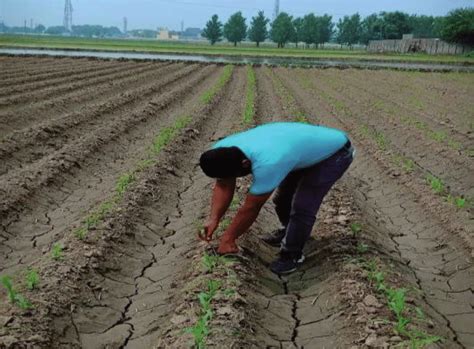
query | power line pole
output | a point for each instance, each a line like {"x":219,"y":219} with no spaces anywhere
{"x":125,"y":25}
{"x":67,"y":21}
{"x":276,"y":10}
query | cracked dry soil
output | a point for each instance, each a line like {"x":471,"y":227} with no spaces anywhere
{"x":117,"y":289}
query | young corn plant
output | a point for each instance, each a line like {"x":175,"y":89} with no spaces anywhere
{"x":436,"y":184}
{"x":356,"y":228}
{"x":124,"y":182}
{"x":13,"y":296}
{"x":200,"y":330}
{"x":209,"y":95}
{"x":32,"y":279}
{"x":57,"y":251}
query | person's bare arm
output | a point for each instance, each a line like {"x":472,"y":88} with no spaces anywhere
{"x":221,"y":198}
{"x":242,"y":221}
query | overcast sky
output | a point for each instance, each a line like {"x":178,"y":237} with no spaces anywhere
{"x":169,"y":13}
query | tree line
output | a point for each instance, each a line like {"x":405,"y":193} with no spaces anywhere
{"x":77,"y":30}
{"x":312,"y":30}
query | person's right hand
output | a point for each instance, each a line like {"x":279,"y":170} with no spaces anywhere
{"x":209,"y":229}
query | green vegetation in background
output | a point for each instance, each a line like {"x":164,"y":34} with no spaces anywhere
{"x":154,"y":46}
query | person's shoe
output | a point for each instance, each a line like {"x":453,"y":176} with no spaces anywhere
{"x":287,"y":262}
{"x":275,"y":237}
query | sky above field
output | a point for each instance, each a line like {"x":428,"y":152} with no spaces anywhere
{"x":194,"y":13}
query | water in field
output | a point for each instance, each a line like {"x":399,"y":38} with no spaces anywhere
{"x":310,"y":62}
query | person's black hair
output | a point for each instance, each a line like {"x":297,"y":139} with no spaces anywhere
{"x":224,"y":162}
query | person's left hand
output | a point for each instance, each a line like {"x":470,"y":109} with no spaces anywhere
{"x":209,"y":229}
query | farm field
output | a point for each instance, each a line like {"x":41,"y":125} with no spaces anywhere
{"x":101,"y":197}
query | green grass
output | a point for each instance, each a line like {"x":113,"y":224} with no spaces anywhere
{"x":244,"y":49}
{"x":57,"y":251}
{"x":211,"y":262}
{"x":209,"y":95}
{"x":249,"y":111}
{"x":13,"y":296}
{"x":32,"y":279}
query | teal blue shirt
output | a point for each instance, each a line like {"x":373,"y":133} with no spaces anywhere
{"x":276,"y":149}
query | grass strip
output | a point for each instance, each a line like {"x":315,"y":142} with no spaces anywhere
{"x":13,"y":295}
{"x":209,"y":95}
{"x":249,"y":111}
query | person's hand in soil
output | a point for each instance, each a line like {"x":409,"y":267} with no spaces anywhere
{"x":209,"y":229}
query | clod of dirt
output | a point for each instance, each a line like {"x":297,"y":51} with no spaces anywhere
{"x":372,"y":301}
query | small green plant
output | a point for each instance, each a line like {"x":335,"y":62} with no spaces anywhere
{"x":200,"y":330}
{"x":436,"y":184}
{"x":57,"y":251}
{"x":362,"y":248}
{"x":235,"y":202}
{"x":81,"y":233}
{"x":32,"y":279}
{"x":458,"y":201}
{"x":123,"y":182}
{"x":356,"y":228}
{"x":396,"y":302}
{"x":380,"y":139}
{"x":13,"y":296}
{"x":438,"y":136}
{"x":211,"y":262}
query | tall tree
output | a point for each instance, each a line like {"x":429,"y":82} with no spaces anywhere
{"x":395,"y":24}
{"x":298,"y":32}
{"x":213,"y":30}
{"x":310,"y":33}
{"x":235,"y":30}
{"x":349,"y":30}
{"x":458,"y":26}
{"x":325,"y":28}
{"x":258,"y":31}
{"x":282,"y":29}
{"x":371,"y":28}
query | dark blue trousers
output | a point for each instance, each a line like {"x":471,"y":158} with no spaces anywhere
{"x":299,"y":196}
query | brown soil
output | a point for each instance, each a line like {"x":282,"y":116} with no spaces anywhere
{"x":130,"y":283}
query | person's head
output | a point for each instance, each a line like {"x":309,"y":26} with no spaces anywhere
{"x":225,"y":162}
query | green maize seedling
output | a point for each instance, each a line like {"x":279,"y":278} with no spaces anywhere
{"x":57,"y":251}
{"x":436,"y":184}
{"x":356,"y":228}
{"x":13,"y":296}
{"x":32,"y":279}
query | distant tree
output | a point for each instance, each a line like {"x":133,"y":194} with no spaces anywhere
{"x":258,"y":31}
{"x":422,"y":26}
{"x":40,"y":29}
{"x":235,"y":30}
{"x":298,"y":32}
{"x":371,"y":28}
{"x":349,"y":30}
{"x":282,"y":29}
{"x":395,"y":24}
{"x":213,"y":30}
{"x":56,"y":30}
{"x":458,"y":26}
{"x":310,"y":32}
{"x":325,"y":28}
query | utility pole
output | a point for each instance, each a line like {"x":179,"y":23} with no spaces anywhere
{"x":182,"y":27}
{"x":125,"y":24}
{"x":67,"y":21}
{"x":276,"y":10}
{"x":24,"y":27}
{"x":31,"y":24}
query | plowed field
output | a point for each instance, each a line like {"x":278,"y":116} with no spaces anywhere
{"x":101,"y":197}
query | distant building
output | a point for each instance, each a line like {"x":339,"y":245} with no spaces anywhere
{"x":191,"y":34}
{"x":165,"y":34}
